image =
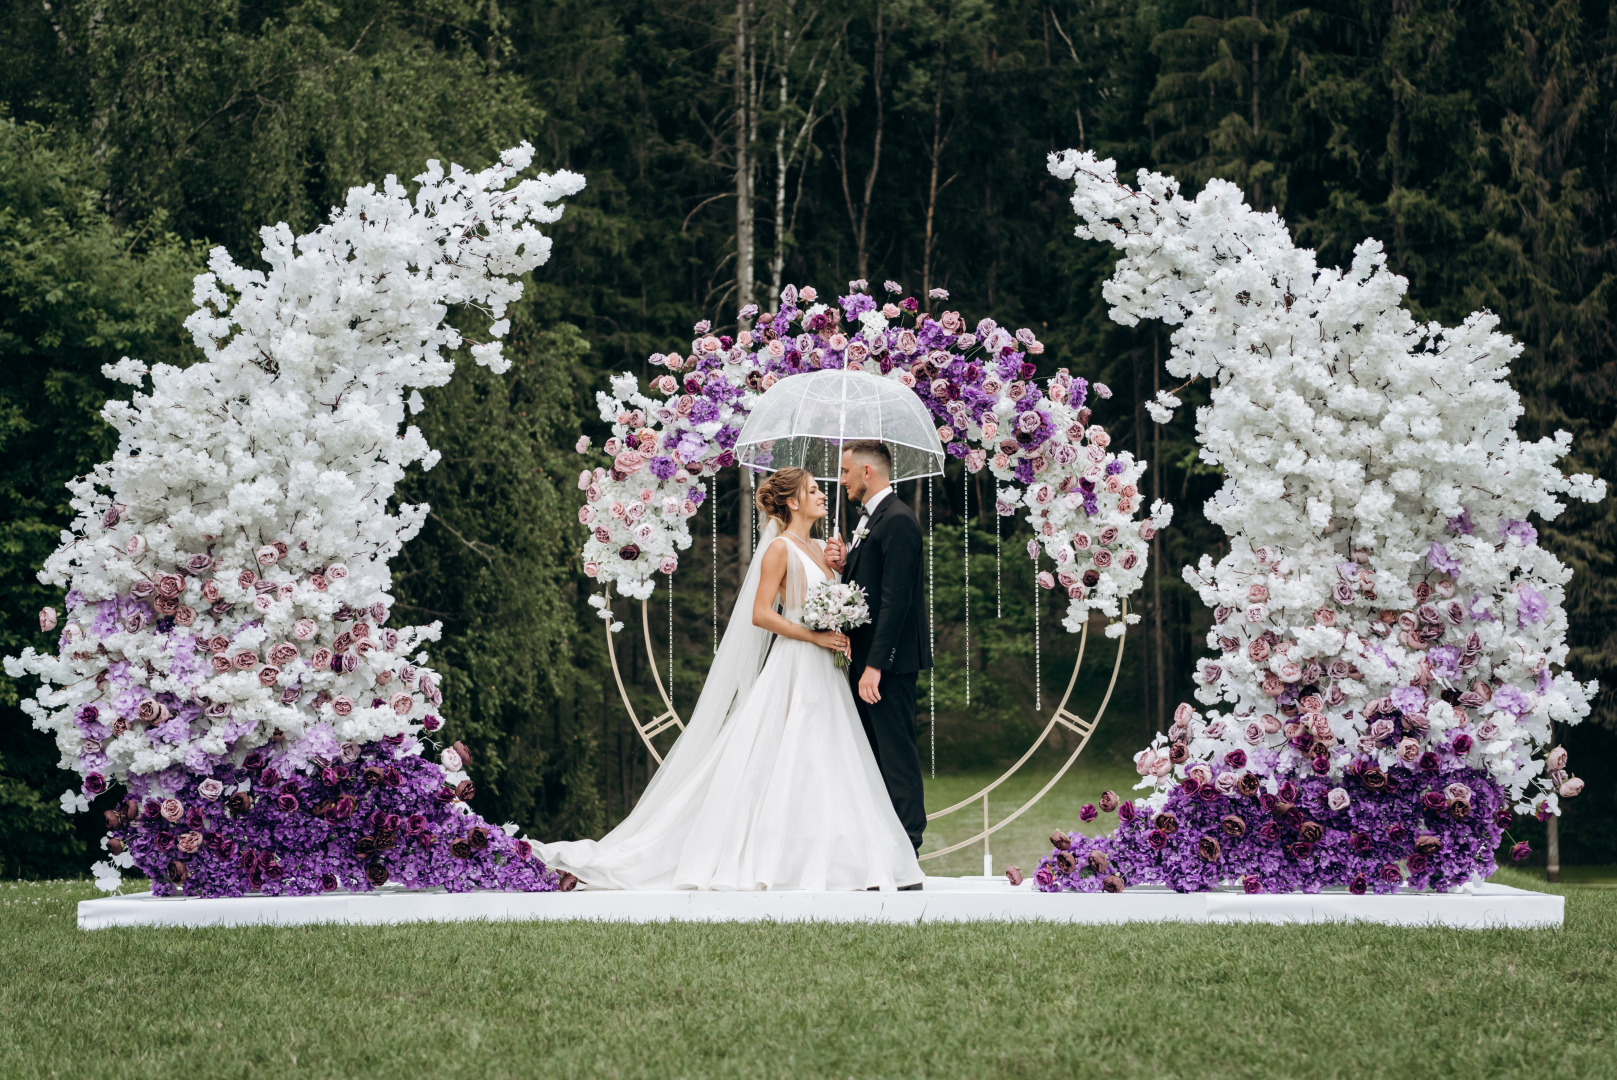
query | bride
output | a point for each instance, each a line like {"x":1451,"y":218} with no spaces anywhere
{"x":773,"y":785}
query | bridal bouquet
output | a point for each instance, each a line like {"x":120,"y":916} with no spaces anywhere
{"x":835,"y":605}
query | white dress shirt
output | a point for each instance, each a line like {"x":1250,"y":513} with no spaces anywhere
{"x":870,"y":508}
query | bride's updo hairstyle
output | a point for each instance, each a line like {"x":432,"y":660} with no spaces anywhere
{"x":783,"y":484}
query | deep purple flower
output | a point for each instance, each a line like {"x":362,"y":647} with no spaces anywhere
{"x":1087,"y":812}
{"x":1463,"y":743}
{"x":1520,"y":851}
{"x":1390,"y":872}
{"x":1358,"y":885}
{"x":1125,"y":810}
{"x":94,"y":784}
{"x":1251,"y":884}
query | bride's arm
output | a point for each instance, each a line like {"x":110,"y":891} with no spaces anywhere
{"x":764,"y":616}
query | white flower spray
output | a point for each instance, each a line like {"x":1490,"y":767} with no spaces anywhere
{"x":227,"y":571}
{"x":1383,"y":597}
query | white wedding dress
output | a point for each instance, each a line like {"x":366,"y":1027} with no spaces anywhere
{"x":773,"y":785}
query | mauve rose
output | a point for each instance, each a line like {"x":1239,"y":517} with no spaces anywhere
{"x":1235,"y":759}
{"x":1571,"y":788}
{"x":1109,"y":801}
{"x":283,"y":653}
{"x":1408,"y":751}
{"x":268,"y":674}
{"x":342,"y":704}
{"x":140,"y":590}
{"x":1390,"y":872}
{"x":210,"y":789}
{"x":401,"y":704}
{"x":1129,"y":560}
{"x":1233,"y":825}
{"x":1087,"y":812}
{"x":148,"y":711}
{"x":1337,"y":799}
{"x":1103,"y":558}
{"x":1125,"y":810}
{"x":134,"y":622}
{"x":171,"y":809}
{"x":1520,"y":851}
{"x":1258,"y":650}
{"x":1211,"y":673}
{"x":189,"y":842}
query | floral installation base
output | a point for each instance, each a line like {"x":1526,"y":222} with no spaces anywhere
{"x":1371,"y":831}
{"x":379,"y":813}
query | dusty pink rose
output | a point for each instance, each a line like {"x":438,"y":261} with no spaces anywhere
{"x":1257,"y":592}
{"x":668,"y":564}
{"x":1258,"y":650}
{"x":171,"y":810}
{"x":1273,"y":686}
{"x":268,"y":674}
{"x":592,"y":569}
{"x":1337,"y":799}
{"x":1570,"y":788}
{"x":1555,"y":760}
{"x":1408,"y":751}
{"x":136,"y":546}
{"x":189,"y":842}
{"x":266,"y":555}
{"x":342,"y":704}
{"x":219,"y":663}
{"x":210,"y":789}
{"x":1252,"y":732}
{"x":47,"y":619}
{"x":336,"y":571}
{"x":283,"y":654}
{"x":1103,"y":558}
{"x":263,"y":602}
{"x":305,"y":629}
{"x":1289,"y":671}
{"x":1256,"y":613}
{"x":401,"y":704}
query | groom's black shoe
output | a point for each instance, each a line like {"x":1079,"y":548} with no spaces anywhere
{"x":911,"y":888}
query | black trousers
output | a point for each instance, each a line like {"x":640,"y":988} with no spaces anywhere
{"x":890,"y":727}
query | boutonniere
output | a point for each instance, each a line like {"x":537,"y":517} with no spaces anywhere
{"x":860,"y":534}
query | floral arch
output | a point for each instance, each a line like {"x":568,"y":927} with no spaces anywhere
{"x":1035,"y":436}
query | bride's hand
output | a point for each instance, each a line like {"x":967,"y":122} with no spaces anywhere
{"x":831,"y":639}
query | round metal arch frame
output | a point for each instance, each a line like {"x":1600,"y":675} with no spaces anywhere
{"x":1063,"y":716}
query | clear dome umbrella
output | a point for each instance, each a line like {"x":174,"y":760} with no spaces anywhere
{"x":805,"y":420}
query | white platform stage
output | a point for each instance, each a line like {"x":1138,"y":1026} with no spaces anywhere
{"x":942,"y":900}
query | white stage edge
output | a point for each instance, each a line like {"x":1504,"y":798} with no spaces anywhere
{"x":943,"y":900}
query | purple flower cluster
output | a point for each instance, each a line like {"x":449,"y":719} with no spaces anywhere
{"x":1375,"y":831}
{"x":378,"y":813}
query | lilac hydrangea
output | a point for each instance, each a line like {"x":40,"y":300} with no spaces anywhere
{"x":1371,"y":831}
{"x":376,"y":814}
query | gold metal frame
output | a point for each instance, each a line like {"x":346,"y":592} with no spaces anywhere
{"x":1084,"y":727}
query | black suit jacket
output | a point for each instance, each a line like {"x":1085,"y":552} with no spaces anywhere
{"x":887,"y":565}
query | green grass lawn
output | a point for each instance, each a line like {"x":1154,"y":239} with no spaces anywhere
{"x":1025,"y":840}
{"x":557,"y":999}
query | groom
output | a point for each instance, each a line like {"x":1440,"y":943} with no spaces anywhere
{"x":887,"y":652}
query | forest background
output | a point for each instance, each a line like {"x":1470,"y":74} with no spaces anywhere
{"x":733,"y":146}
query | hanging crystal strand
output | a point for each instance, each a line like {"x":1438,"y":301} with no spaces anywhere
{"x":1038,"y":679}
{"x":965,"y":513}
{"x":931,"y":631}
{"x":670,"y":640}
{"x":999,"y":597}
{"x":713,"y":508}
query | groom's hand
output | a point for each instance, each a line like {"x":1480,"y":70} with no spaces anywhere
{"x":835,"y":553}
{"x":870,"y":686}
